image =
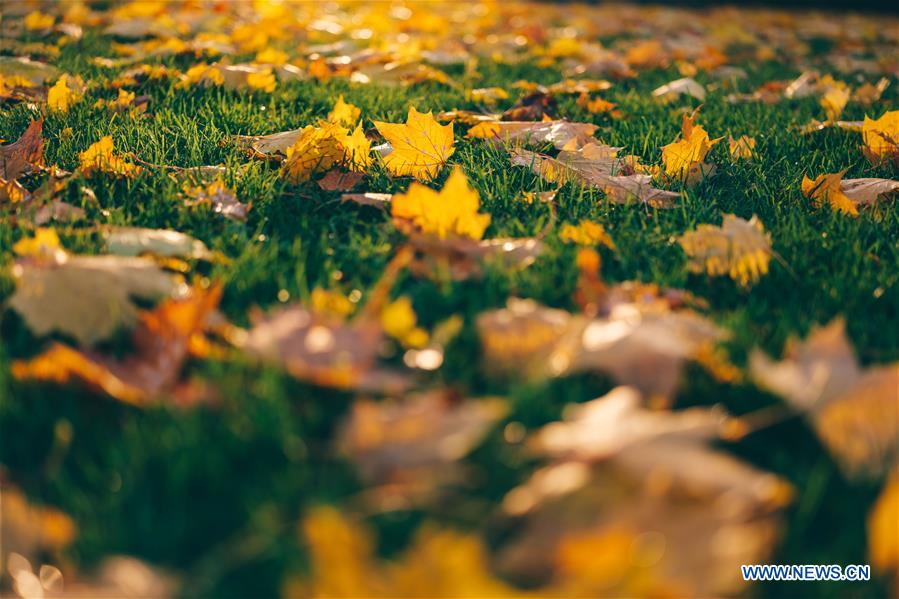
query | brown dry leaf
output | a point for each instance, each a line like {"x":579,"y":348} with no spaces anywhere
{"x":380,"y":200}
{"x":221,"y":198}
{"x":561,"y":134}
{"x":163,"y":340}
{"x":645,"y":489}
{"x":321,"y":349}
{"x":99,"y":292}
{"x":644,"y":344}
{"x":25,"y":155}
{"x":596,"y":166}
{"x":854,"y":411}
{"x":336,"y":180}
{"x":532,"y":107}
{"x":738,"y":248}
{"x":410,"y":446}
{"x":463,"y":258}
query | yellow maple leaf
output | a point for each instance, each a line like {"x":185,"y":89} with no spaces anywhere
{"x":881,"y":138}
{"x":201,"y":73}
{"x":680,"y":157}
{"x":738,"y":248}
{"x":100,"y":157}
{"x":272,"y":56}
{"x":399,"y":321}
{"x":60,"y":97}
{"x":319,"y":149}
{"x":586,"y":232}
{"x":264,"y":80}
{"x":421,"y":146}
{"x":453,"y":211}
{"x":826,"y":188}
{"x":344,"y":113}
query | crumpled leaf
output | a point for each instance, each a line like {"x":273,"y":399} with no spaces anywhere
{"x":163,"y":340}
{"x":451,"y":212}
{"x":420,"y":146}
{"x":136,"y":241}
{"x":561,"y":134}
{"x":98,"y":291}
{"x":25,"y":155}
{"x":881,"y":138}
{"x":684,"y":158}
{"x":828,"y":188}
{"x":848,"y":406}
{"x":640,"y":344}
{"x":409,"y":447}
{"x":320,"y":149}
{"x":101,"y":157}
{"x":675,"y":89}
{"x":739,"y":248}
{"x":625,"y":477}
{"x":320,"y":349}
{"x":221,"y":198}
{"x":596,"y":167}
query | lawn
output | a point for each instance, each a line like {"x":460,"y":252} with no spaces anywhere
{"x":222,"y":494}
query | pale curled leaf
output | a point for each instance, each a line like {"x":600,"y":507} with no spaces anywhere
{"x":99,"y":291}
{"x":135,"y":241}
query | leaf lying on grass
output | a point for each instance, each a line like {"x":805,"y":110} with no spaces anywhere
{"x":407,"y":448}
{"x":739,"y":248}
{"x":163,"y":340}
{"x":25,"y":155}
{"x":850,"y":408}
{"x":847,"y":195}
{"x":623,"y":476}
{"x":419,"y":147}
{"x":99,"y":292}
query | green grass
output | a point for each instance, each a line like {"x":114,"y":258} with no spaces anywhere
{"x":216,"y":493}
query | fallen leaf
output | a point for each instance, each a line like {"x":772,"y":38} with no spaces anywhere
{"x":409,"y":447}
{"x":221,"y":198}
{"x":420,"y":147}
{"x":883,"y":542}
{"x":100,"y":157}
{"x":622,"y":472}
{"x":680,"y":87}
{"x":335,"y":180}
{"x":98,"y":291}
{"x":742,"y":148}
{"x":739,"y":248}
{"x":25,"y":155}
{"x":684,"y":158}
{"x":881,"y":138}
{"x":135,"y":241}
{"x":847,"y":405}
{"x":379,"y":200}
{"x":343,"y":113}
{"x":559,"y":133}
{"x":586,"y":232}
{"x":453,"y":211}
{"x":828,"y":188}
{"x":163,"y":340}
